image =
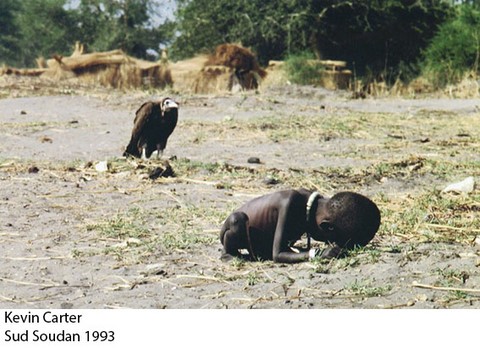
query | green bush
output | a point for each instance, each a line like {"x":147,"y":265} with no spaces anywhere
{"x":455,"y":50}
{"x":303,"y":69}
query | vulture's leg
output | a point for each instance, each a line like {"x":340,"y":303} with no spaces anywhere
{"x":159,"y":152}
{"x":144,"y":153}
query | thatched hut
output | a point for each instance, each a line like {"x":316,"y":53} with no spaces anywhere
{"x":112,"y":68}
{"x":230,"y":68}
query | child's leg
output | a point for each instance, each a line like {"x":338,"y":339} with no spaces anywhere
{"x":233,"y":235}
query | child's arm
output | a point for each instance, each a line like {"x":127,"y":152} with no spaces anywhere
{"x":290,"y":256}
{"x":291,"y":213}
{"x":291,"y":217}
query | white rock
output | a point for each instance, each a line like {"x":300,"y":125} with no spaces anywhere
{"x":465,"y":186}
{"x":101,"y":166}
{"x":477,"y":240}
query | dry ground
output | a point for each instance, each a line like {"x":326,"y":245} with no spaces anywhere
{"x":75,"y":237}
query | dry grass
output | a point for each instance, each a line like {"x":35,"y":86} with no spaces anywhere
{"x":128,"y":220}
{"x":136,"y":234}
{"x":112,"y":69}
{"x":419,"y":146}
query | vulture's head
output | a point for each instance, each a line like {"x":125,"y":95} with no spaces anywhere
{"x":168,"y":104}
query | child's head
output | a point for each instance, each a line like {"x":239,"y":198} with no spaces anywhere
{"x":350,"y":220}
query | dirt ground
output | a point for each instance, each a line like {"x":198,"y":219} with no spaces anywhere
{"x":74,"y":236}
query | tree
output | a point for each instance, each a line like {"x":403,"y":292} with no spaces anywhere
{"x":45,"y":28}
{"x":34,"y":28}
{"x":8,"y":37}
{"x":455,"y":50}
{"x":126,"y":24}
{"x":376,"y":36}
{"x":271,"y":28}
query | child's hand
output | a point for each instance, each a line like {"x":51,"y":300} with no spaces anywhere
{"x":313,"y":253}
{"x":331,"y":252}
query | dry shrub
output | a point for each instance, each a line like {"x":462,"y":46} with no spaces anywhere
{"x":336,"y":79}
{"x":57,"y":71}
{"x":213,"y":79}
{"x":156,"y":74}
{"x":185,"y":72}
{"x":78,"y":50}
{"x":218,"y":78}
{"x":115,"y":69}
{"x":398,"y":89}
{"x":112,"y":68}
{"x":420,"y":85}
{"x":276,"y":75}
{"x":231,"y":67}
{"x":41,"y":63}
{"x":236,"y":57}
{"x":468,"y":87}
{"x":6,"y":70}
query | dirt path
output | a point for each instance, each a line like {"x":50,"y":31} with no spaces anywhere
{"x":74,"y":237}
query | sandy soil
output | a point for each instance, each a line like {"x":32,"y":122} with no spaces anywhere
{"x":67,"y":230}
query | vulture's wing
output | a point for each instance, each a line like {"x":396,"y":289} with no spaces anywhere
{"x":144,"y":115}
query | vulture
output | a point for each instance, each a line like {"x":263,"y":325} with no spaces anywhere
{"x":153,"y":124}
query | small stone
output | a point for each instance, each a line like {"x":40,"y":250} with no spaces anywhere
{"x":46,"y":139}
{"x":269,"y":180}
{"x":154,"y":269}
{"x":162,"y":172}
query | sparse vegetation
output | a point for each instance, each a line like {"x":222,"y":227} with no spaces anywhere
{"x":366,"y":289}
{"x":303,"y":69}
{"x":455,"y":50}
{"x":390,"y":36}
{"x":433,"y":217}
{"x":122,"y":226}
{"x":160,"y":236}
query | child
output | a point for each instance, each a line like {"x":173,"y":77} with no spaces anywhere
{"x":269,"y":225}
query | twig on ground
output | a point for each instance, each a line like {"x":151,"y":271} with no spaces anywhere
{"x":30,"y":283}
{"x":443,"y":288}
{"x":203,"y":278}
{"x":446,"y":227}
{"x":399,"y":305}
{"x":35,"y":258}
